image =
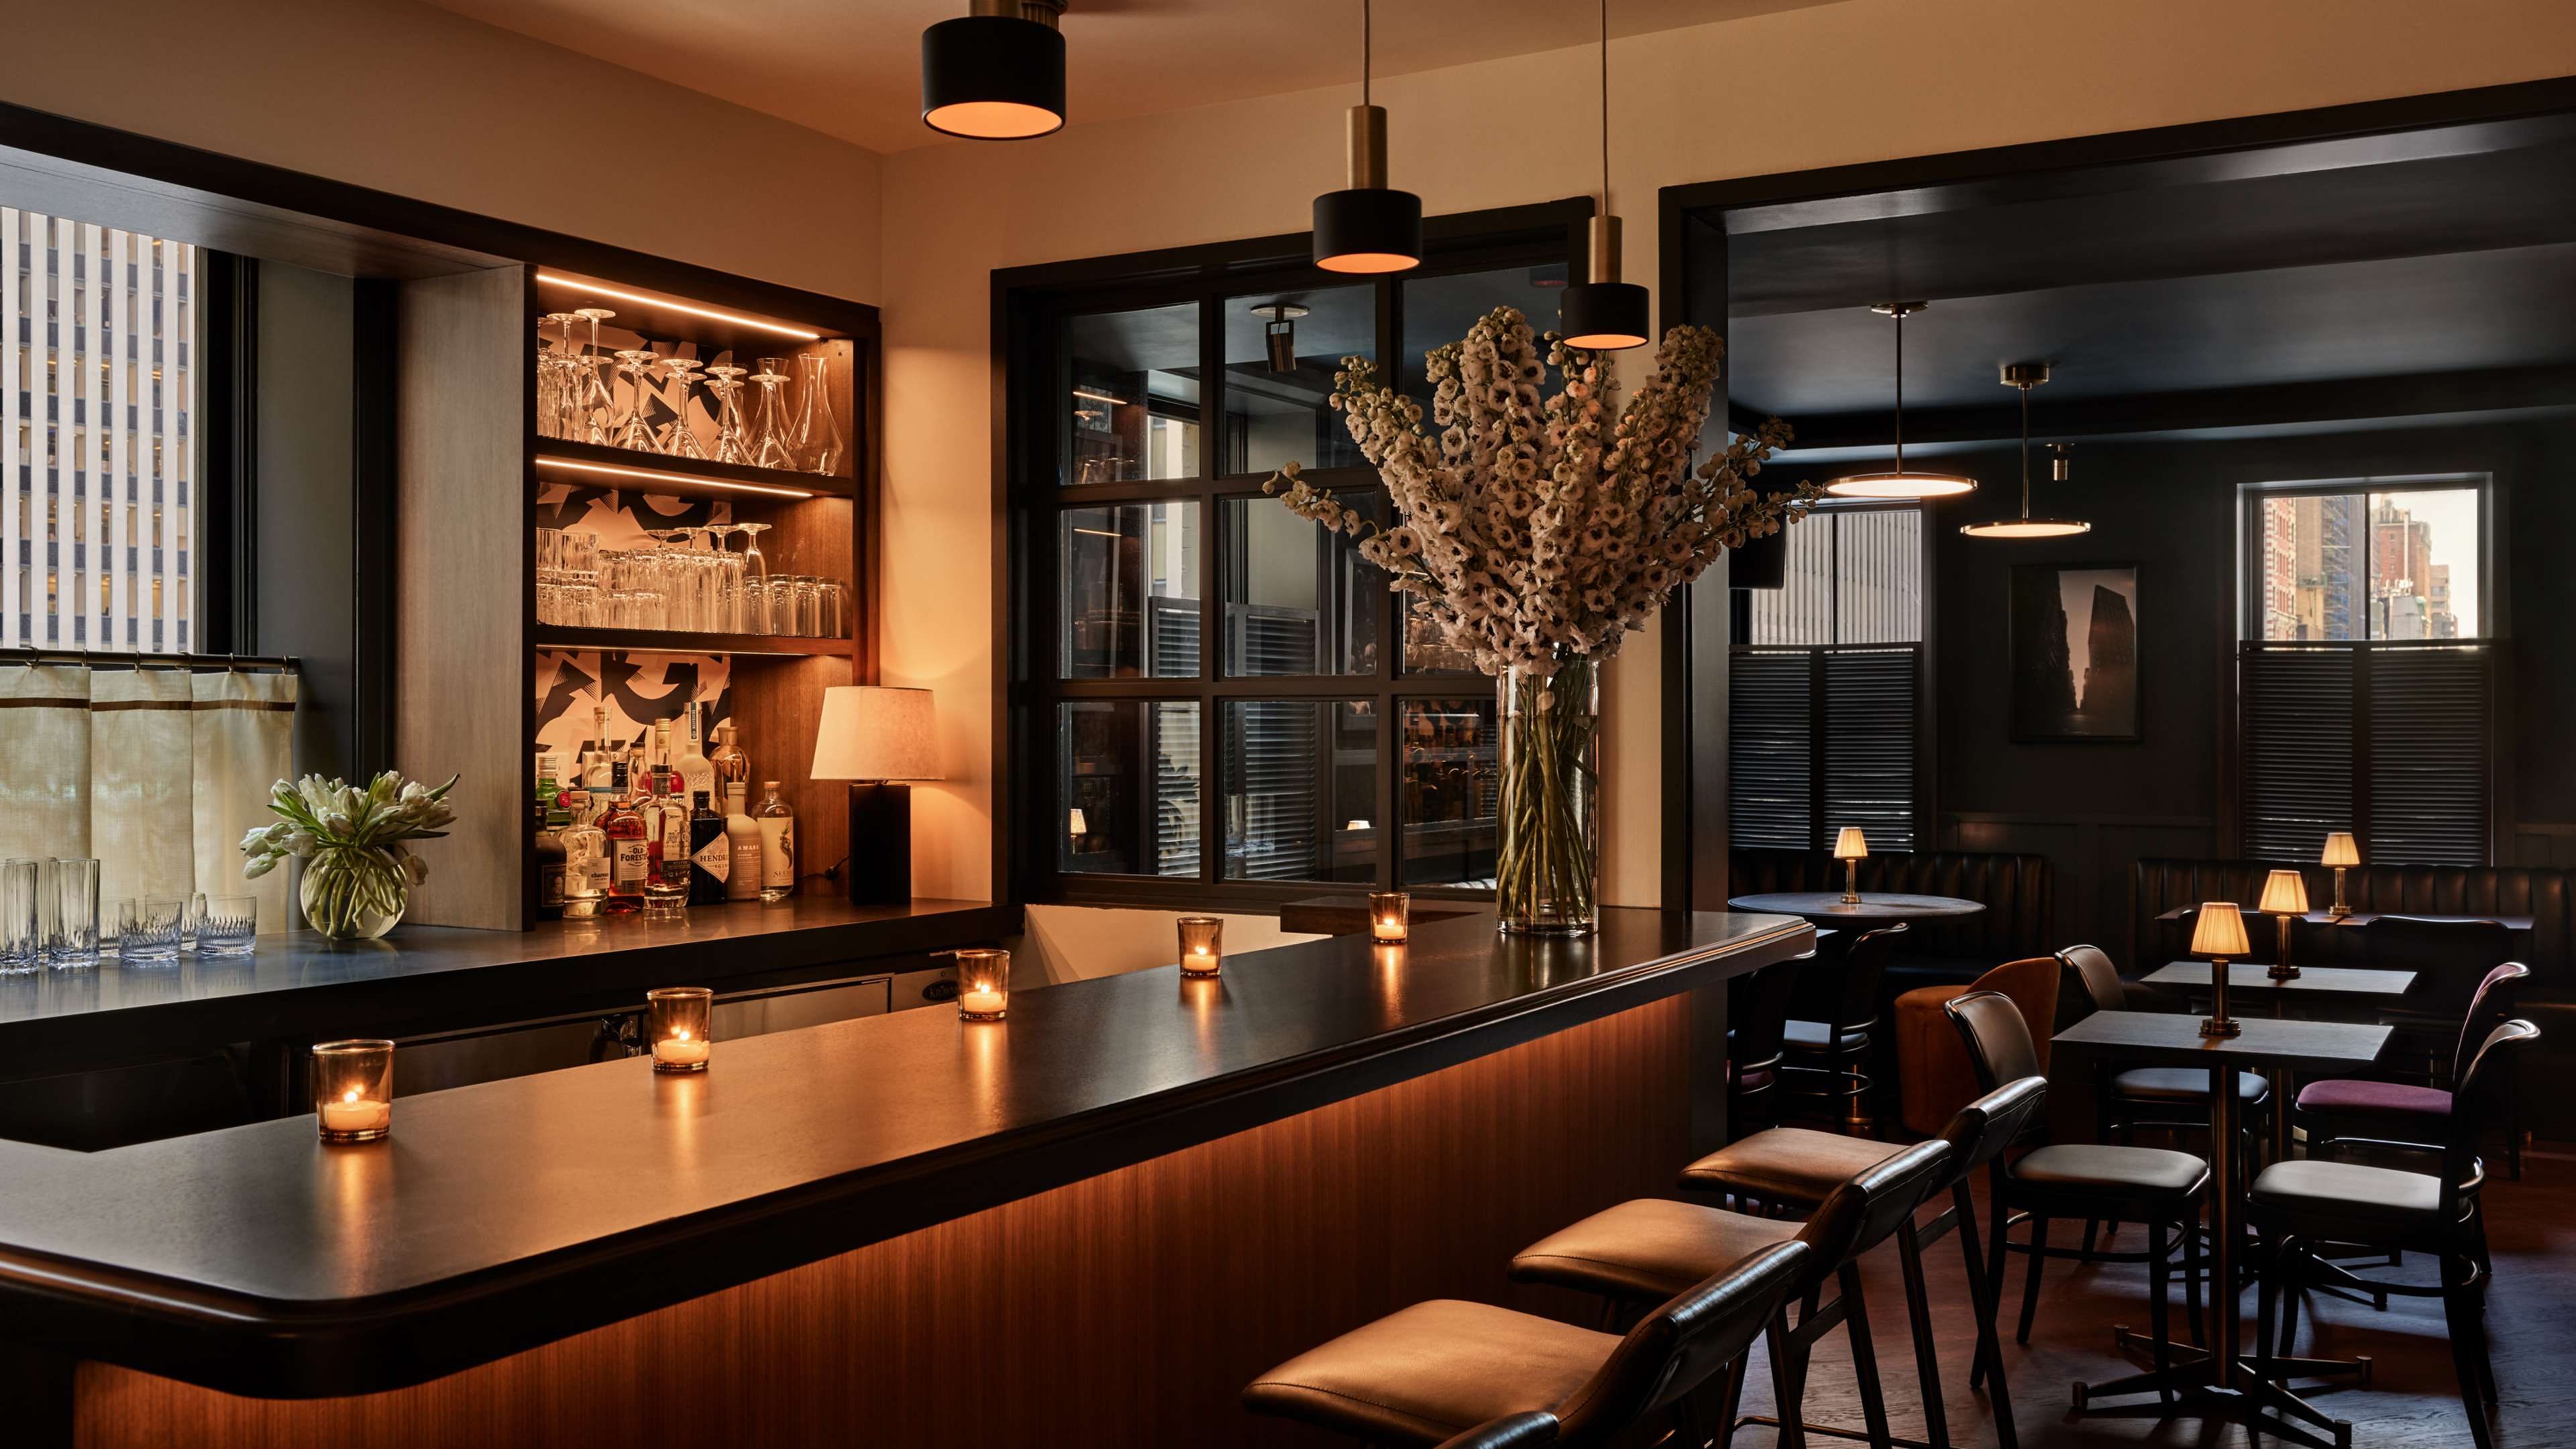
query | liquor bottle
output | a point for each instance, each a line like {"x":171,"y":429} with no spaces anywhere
{"x":733,"y":767}
{"x":549,"y":846}
{"x":666,"y":830}
{"x":629,"y":857}
{"x":777,"y":825}
{"x":696,"y":774}
{"x":710,"y":853}
{"x":742,"y":836}
{"x":585,"y":848}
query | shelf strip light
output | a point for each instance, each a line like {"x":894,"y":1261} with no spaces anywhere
{"x":568,"y":644}
{"x":656,"y":476}
{"x":667,"y":305}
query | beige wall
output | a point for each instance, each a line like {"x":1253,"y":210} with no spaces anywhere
{"x":1861,"y":81}
{"x":410,"y":99}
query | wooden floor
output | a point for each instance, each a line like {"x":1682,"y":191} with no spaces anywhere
{"x":2413,"y":1402}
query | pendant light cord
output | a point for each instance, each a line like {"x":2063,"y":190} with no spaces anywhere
{"x":2025,"y":452}
{"x":1605,"y":107}
{"x":1367,"y":41}
{"x":1900,"y":390}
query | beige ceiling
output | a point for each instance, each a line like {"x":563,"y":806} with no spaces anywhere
{"x":849,"y":68}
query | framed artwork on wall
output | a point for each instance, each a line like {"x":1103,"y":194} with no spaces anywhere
{"x":2075,"y":653}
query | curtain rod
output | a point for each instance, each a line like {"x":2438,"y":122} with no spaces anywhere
{"x":20,"y":654}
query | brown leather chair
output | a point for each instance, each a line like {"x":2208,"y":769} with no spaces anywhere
{"x":1933,"y":1076}
{"x":2168,"y":1099}
{"x":1447,"y":1372}
{"x":2295,"y":1207}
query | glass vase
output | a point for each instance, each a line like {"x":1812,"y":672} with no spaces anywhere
{"x":354,"y":894}
{"x":1549,"y":811}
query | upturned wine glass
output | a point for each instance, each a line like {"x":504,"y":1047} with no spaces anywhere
{"x":725,"y":381}
{"x":634,"y":429}
{"x":594,"y":401}
{"x":680,"y":440}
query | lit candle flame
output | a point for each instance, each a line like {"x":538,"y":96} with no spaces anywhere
{"x":350,"y":1095}
{"x":681,"y":1035}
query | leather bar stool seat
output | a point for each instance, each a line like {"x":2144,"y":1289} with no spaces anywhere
{"x":1460,"y":1374}
{"x":1647,"y":1248}
{"x":1794,"y":1166}
{"x":2183,"y":1084}
{"x":1423,"y":1373}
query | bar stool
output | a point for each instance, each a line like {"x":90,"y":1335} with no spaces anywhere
{"x":2295,"y":1206}
{"x":1753,"y":1047}
{"x":1837,"y":1051}
{"x":2130,"y":1184}
{"x":1631,"y":1253}
{"x":1469,"y":1374}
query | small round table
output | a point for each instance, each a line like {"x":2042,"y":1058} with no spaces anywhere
{"x":1873,"y":906}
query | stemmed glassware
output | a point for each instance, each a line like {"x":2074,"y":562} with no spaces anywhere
{"x":555,"y":363}
{"x":680,"y":440}
{"x":773,"y":447}
{"x":593,"y":400}
{"x":725,"y":381}
{"x":635,"y":429}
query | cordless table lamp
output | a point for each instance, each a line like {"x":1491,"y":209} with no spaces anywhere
{"x":1851,"y":848}
{"x":2340,"y":852}
{"x":2219,"y":934}
{"x":2285,"y":898}
{"x":877,"y":738}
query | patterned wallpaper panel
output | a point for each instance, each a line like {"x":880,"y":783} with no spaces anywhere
{"x":638,"y":690}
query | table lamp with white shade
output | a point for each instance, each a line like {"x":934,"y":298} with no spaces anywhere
{"x":2341,"y":852}
{"x":2285,"y":899}
{"x":1851,"y":848}
{"x":2219,"y":934}
{"x":878,"y":738}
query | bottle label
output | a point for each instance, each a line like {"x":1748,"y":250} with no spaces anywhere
{"x":777,"y":853}
{"x":715,"y":857}
{"x":587,"y":877}
{"x":550,"y":885}
{"x":632,"y":861}
{"x":747,"y":870}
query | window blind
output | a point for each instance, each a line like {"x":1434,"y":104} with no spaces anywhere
{"x":1822,"y":738}
{"x":2391,"y":742}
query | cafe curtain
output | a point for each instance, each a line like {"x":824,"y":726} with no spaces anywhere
{"x":155,"y":771}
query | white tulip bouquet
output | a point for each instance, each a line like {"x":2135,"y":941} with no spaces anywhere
{"x":1536,"y":531}
{"x":359,"y":873}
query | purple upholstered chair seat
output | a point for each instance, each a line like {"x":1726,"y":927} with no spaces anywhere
{"x":2347,"y":1097}
{"x":1744,"y":1081}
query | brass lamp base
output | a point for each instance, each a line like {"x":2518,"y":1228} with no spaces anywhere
{"x":1851,"y":882}
{"x":2282,"y":970}
{"x":2339,"y":910}
{"x":2219,"y":1023}
{"x":2221,"y":1026}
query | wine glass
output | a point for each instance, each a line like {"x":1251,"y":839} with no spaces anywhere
{"x":772,"y":448}
{"x":552,"y":364}
{"x":680,"y":440}
{"x":725,"y":381}
{"x":818,"y":430}
{"x":634,"y":430}
{"x":593,"y":399}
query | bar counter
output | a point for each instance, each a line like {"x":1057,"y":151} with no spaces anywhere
{"x":503,"y":1217}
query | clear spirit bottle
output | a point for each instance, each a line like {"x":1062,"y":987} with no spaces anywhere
{"x":777,"y":825}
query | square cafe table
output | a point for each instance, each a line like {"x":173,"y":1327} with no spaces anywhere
{"x":2342,"y":984}
{"x":2222,"y":1384}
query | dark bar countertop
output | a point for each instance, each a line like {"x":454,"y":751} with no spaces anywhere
{"x":504,"y":1215}
{"x":296,"y":984}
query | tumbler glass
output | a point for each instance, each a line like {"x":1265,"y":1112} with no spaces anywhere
{"x":353,"y":1089}
{"x":983,"y":983}
{"x":226,"y":925}
{"x":147,"y":928}
{"x":22,"y":944}
{"x":680,"y":1023}
{"x":76,"y":938}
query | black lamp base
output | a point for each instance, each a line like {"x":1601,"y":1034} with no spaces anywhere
{"x":879,"y":870}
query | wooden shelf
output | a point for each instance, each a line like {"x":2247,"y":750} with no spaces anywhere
{"x":665,"y":641}
{"x":749,"y":331}
{"x":561,"y":461}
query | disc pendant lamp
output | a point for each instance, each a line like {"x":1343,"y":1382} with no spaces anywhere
{"x":995,"y":73}
{"x":1366,"y":227}
{"x":1900,"y":482}
{"x":2028,"y":375}
{"x":1601,"y":312}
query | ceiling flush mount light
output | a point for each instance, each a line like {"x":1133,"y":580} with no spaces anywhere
{"x":2028,"y":375}
{"x":1279,"y":333}
{"x":1900,"y":483}
{"x":1602,"y":313}
{"x":1366,"y":227}
{"x":995,"y":73}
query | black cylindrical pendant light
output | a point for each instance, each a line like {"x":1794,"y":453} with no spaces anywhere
{"x":995,"y":74}
{"x":1367,"y":227}
{"x":1602,"y":313}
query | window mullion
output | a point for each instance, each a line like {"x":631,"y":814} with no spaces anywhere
{"x":1212,"y":642}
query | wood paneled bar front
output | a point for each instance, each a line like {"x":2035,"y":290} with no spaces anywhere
{"x":1092,"y":1222}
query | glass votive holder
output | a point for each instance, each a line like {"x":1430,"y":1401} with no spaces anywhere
{"x":983,"y":984}
{"x":147,"y":929}
{"x":226,"y":925}
{"x":680,"y":1023}
{"x":1202,"y":945}
{"x":1389,"y":914}
{"x":353,"y":1089}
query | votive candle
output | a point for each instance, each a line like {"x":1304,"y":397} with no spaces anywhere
{"x":679,"y":1022}
{"x":353,"y":1089}
{"x":983,"y":984}
{"x":1389,"y":914}
{"x":1202,"y":945}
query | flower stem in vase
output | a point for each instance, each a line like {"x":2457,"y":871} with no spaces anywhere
{"x":1549,"y":812}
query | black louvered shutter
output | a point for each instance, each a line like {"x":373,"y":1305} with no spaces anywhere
{"x":2297,"y":711}
{"x":1176,"y":786}
{"x":2430,"y":755}
{"x":1869,"y":744}
{"x":1770,"y":729}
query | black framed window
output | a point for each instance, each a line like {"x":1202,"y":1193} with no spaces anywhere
{"x":1214,"y":699}
{"x":2365,"y":680}
{"x":1825,"y":686}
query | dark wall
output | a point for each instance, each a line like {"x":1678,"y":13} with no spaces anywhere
{"x":2170,"y":508}
{"x":303,"y":509}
